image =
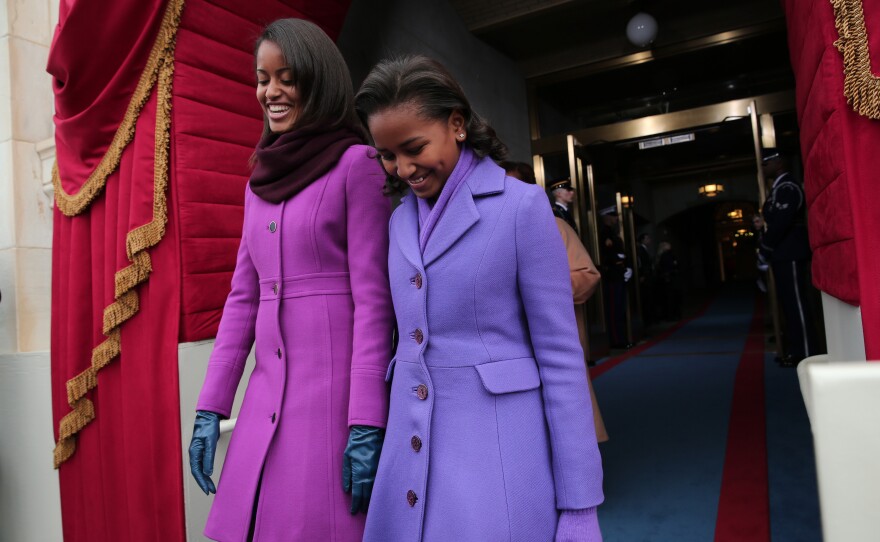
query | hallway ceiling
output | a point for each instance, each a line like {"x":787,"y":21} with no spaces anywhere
{"x":549,"y":36}
{"x":584,"y":72}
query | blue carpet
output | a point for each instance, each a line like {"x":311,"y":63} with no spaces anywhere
{"x":794,"y":504}
{"x":667,"y":418}
{"x":667,"y":411}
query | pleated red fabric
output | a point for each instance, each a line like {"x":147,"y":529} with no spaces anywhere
{"x":124,"y":481}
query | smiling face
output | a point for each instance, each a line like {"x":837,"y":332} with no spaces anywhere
{"x":421,"y":152}
{"x":276,"y":90}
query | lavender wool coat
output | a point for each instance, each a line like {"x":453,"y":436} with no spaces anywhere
{"x":311,"y":288}
{"x":490,"y":425}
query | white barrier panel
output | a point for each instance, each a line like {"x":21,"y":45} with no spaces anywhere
{"x":192,"y":365}
{"x":843,"y":403}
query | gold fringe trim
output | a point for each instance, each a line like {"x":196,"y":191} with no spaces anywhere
{"x":137,"y":242}
{"x":861,"y":87}
{"x":163,"y":47}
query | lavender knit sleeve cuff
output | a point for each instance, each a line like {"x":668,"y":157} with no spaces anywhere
{"x":578,"y":526}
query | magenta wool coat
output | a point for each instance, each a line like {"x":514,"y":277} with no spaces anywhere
{"x":310,"y":289}
{"x":490,"y":429}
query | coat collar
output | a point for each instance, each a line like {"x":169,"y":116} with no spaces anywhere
{"x":461,"y":214}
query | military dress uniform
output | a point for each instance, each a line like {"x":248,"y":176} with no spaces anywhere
{"x":786,"y":246}
{"x":560,"y":210}
{"x":645,"y":265}
{"x":614,"y":284}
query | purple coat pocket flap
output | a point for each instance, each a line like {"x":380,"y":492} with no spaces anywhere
{"x":509,"y":375}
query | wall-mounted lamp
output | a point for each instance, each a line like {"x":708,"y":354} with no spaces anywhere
{"x":736,"y":214}
{"x":711,"y":190}
{"x":627,"y":201}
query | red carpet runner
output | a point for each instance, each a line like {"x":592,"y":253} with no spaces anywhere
{"x":744,"y":504}
{"x":605,"y":366}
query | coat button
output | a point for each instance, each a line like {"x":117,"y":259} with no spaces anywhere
{"x":416,"y":443}
{"x":417,"y":336}
{"x":275,"y":288}
{"x":279,"y":353}
{"x":411,"y":498}
{"x":273,"y":226}
{"x":416,"y":281}
{"x":422,"y":392}
{"x":273,"y":417}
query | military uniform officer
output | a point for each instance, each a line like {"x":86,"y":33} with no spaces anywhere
{"x":562,"y":194}
{"x":786,"y":246}
{"x":615,"y":274}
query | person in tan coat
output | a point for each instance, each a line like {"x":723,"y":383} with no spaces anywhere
{"x":584,"y":282}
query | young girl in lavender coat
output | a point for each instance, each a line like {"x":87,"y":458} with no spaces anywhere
{"x":490,"y":434}
{"x":310,"y":291}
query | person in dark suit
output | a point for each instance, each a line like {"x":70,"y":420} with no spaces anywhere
{"x":645,"y":265}
{"x":668,"y":283}
{"x":615,"y":274}
{"x":562,"y":195}
{"x":786,"y":247}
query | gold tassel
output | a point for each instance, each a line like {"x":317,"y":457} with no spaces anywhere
{"x":860,"y":86}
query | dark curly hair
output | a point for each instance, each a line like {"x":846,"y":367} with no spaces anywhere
{"x":520,"y":170}
{"x":425,"y":83}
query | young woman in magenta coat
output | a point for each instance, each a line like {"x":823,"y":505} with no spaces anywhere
{"x":310,"y":290}
{"x":490,"y":434}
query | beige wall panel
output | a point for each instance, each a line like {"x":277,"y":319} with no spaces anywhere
{"x":32,"y":99}
{"x":34,"y":269}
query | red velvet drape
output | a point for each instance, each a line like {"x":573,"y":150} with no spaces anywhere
{"x":839,"y":148}
{"x":124,"y":482}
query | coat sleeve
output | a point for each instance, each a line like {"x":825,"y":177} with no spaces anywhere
{"x":368,"y":212}
{"x":584,"y":275}
{"x":545,"y":288}
{"x":235,"y":336}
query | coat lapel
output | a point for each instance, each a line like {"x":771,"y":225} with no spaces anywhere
{"x":461,"y":214}
{"x":406,"y":230}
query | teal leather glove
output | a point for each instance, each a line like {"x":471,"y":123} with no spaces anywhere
{"x":360,"y":461}
{"x":203,"y":447}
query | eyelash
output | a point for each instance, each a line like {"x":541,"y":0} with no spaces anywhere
{"x":413,"y":152}
{"x":287,"y":83}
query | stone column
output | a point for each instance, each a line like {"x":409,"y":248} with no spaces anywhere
{"x":26,"y":108}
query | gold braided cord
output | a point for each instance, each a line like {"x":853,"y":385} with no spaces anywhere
{"x":163,"y":47}
{"x":861,"y":87}
{"x":137,"y":242}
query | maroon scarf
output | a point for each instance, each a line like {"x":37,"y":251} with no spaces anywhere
{"x":286,"y":163}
